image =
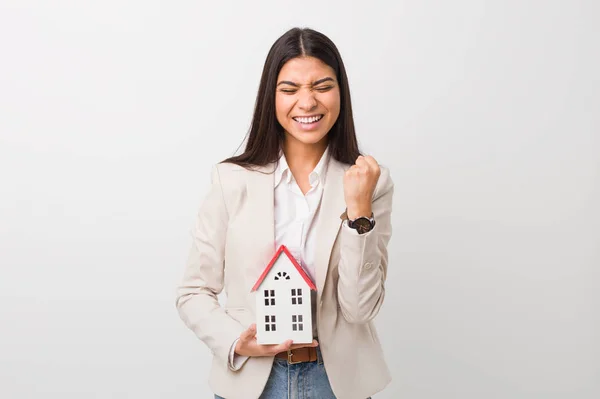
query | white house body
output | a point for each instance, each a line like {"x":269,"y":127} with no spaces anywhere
{"x":283,"y":301}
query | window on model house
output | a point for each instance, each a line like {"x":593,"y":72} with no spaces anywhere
{"x":282,"y":275}
{"x":269,"y":297}
{"x":296,"y":296}
{"x":297,"y":323}
{"x":270,"y":323}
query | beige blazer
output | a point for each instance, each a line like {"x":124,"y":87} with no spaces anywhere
{"x":234,"y":239}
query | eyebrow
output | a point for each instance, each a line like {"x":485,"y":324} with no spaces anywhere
{"x":287,"y":82}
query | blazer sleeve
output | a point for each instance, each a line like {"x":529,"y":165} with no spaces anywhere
{"x":364,"y":259}
{"x":197,"y":301}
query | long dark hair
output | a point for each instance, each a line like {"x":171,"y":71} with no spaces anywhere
{"x":266,"y":134}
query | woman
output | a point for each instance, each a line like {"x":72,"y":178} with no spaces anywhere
{"x":303,"y":183}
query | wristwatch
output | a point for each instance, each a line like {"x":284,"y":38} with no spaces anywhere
{"x":362,"y":224}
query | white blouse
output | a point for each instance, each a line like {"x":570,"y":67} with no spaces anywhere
{"x":295,"y":212}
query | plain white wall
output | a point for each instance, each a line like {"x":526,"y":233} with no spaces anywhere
{"x":487,"y":113}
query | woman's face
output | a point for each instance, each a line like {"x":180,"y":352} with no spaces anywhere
{"x":307,"y":99}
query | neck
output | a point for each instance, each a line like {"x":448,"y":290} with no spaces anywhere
{"x":303,"y":157}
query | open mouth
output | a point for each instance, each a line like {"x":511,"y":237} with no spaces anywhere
{"x":308,"y":120}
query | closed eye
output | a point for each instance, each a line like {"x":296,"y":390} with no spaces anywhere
{"x":320,"y":89}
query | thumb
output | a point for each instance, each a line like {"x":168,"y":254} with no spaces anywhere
{"x":249,"y":333}
{"x":283,"y":347}
{"x":286,"y":345}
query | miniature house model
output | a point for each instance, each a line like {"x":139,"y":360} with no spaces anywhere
{"x":283,"y":301}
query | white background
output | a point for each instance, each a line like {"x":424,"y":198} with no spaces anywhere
{"x":486,"y":112}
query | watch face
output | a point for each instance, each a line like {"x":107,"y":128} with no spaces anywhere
{"x":362,"y":222}
{"x":362,"y":225}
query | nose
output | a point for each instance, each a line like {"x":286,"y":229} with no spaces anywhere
{"x":307,"y":101}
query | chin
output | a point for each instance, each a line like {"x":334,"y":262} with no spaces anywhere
{"x":308,"y":137}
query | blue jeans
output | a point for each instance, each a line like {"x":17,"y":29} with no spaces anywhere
{"x":297,"y":381}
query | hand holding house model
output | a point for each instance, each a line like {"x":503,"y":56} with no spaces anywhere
{"x":283,"y":301}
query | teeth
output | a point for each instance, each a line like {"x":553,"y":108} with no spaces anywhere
{"x":312,"y":119}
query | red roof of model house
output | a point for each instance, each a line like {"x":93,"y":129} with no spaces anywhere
{"x":299,"y":268}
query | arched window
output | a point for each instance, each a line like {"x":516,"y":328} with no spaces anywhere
{"x":282,"y":275}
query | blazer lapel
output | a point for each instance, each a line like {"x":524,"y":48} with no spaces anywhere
{"x":261,"y":218}
{"x":329,"y":222}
